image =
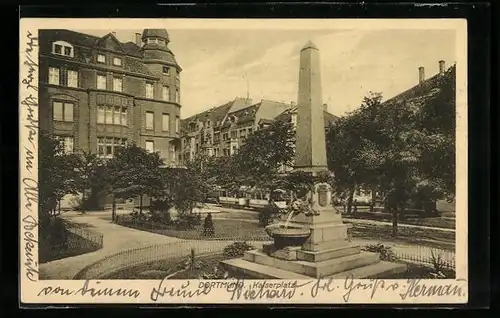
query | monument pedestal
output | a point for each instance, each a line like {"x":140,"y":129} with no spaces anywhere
{"x":328,"y":254}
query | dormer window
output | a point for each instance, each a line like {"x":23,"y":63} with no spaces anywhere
{"x":62,"y":48}
{"x":117,"y":61}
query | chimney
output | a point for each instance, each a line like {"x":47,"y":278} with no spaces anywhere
{"x":138,"y":40}
{"x":421,"y":74}
{"x":325,"y":107}
{"x":441,"y":67}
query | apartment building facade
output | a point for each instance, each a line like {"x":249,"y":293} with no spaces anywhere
{"x":222,"y":130}
{"x":98,"y":94}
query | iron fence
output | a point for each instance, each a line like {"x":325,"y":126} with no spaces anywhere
{"x":179,"y":249}
{"x":77,"y":241}
{"x":426,"y":256}
{"x":170,"y":230}
{"x":147,"y":254}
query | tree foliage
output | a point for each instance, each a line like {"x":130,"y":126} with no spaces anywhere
{"x":57,"y":174}
{"x":265,"y":152}
{"x":404,"y":148}
{"x":135,"y":172}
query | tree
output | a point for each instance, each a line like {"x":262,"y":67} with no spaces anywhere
{"x":349,"y":149}
{"x":404,"y":147}
{"x":57,"y":175}
{"x":91,"y":170}
{"x":135,"y":172}
{"x":264,"y":153}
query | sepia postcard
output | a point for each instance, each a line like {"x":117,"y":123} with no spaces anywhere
{"x":243,"y":161}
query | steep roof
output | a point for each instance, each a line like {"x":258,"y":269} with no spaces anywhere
{"x":158,"y":33}
{"x":215,"y":114}
{"x":85,"y":40}
{"x":423,"y":88}
{"x":328,"y":118}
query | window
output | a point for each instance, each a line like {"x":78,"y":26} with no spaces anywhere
{"x":112,"y":115}
{"x":165,"y":93}
{"x":117,"y":116}
{"x":216,"y":137}
{"x":149,"y":90}
{"x":100,"y":115}
{"x":166,"y":122}
{"x":124,"y":121}
{"x":72,"y":78}
{"x":150,"y":146}
{"x":107,"y":147}
{"x":67,"y":143}
{"x":161,"y":41}
{"x":109,"y":115}
{"x":151,"y":41}
{"x":234,"y":134}
{"x":53,"y":76}
{"x":117,"y":61}
{"x":101,"y":58}
{"x":101,"y":82}
{"x":62,"y":48}
{"x":62,"y":111}
{"x":177,"y":124}
{"x":149,"y":120}
{"x":225,"y":136}
{"x":250,"y":130}
{"x":117,"y":84}
{"x":165,"y":70}
{"x":243,"y":133}
{"x":101,"y":147}
{"x":177,"y":96}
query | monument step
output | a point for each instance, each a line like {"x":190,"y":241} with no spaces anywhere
{"x":324,"y":255}
{"x":246,"y":269}
{"x":381,"y":269}
{"x":311,"y":269}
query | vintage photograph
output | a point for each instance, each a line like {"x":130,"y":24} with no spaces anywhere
{"x":247,"y":153}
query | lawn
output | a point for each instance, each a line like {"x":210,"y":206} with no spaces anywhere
{"x":408,"y":235}
{"x":159,"y":269}
{"x":224,"y":229}
{"x":209,"y":264}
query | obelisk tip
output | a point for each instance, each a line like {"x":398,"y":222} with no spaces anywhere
{"x":309,"y":45}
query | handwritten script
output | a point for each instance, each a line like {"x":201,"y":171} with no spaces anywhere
{"x":87,"y":289}
{"x":29,"y":102}
{"x":240,"y":289}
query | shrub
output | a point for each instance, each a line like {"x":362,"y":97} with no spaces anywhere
{"x":162,"y":218}
{"x":237,"y":249}
{"x":439,"y":270}
{"x":188,"y":221}
{"x":208,"y":226}
{"x":386,"y":253}
{"x":268,"y":214}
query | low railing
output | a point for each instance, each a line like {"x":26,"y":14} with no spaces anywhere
{"x":152,"y":253}
{"x":77,"y":241}
{"x":427,"y":256}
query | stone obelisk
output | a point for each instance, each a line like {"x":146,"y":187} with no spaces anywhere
{"x":310,"y":153}
{"x":326,"y":226}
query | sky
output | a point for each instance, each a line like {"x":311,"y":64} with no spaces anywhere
{"x":221,"y":64}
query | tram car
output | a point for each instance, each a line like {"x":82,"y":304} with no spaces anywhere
{"x":252,"y":200}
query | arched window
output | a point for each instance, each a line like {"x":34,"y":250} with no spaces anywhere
{"x":63,"y":48}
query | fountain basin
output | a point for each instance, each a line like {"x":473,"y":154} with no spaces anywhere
{"x":286,"y":236}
